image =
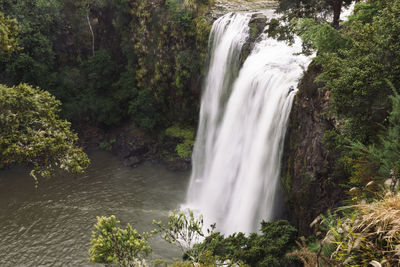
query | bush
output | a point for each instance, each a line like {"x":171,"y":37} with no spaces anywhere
{"x":185,"y":148}
{"x":183,"y":230}
{"x":266,"y":249}
{"x":112,"y":244}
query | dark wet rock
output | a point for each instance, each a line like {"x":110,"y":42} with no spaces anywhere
{"x":132,"y":161}
{"x":257,"y":24}
{"x":179,"y":165}
{"x":308,"y":185}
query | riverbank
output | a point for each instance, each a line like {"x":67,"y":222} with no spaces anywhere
{"x":133,"y":146}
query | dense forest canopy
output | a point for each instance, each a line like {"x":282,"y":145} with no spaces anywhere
{"x":8,"y":35}
{"x":112,"y":61}
{"x":30,"y":128}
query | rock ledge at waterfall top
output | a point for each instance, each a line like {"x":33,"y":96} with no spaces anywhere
{"x":222,"y":7}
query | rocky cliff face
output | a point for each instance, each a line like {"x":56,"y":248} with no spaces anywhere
{"x":307,"y":168}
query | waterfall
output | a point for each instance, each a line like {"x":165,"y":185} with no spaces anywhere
{"x":243,"y":119}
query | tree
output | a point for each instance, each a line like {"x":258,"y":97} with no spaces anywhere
{"x":38,"y":28}
{"x":355,"y":74}
{"x":31,"y":132}
{"x":183,"y":230}
{"x":8,"y":35}
{"x":381,"y":161}
{"x":355,"y":60}
{"x":314,"y":8}
{"x":112,"y":244}
{"x":85,"y":6}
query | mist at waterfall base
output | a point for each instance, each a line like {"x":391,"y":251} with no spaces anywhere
{"x":243,"y":119}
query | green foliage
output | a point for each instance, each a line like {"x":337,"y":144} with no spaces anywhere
{"x":100,"y":72}
{"x":266,"y":249}
{"x":356,"y":74}
{"x":315,"y":9}
{"x":381,"y":161}
{"x":181,"y":11}
{"x":199,"y":248}
{"x":175,"y":264}
{"x":369,"y":232}
{"x":90,"y":92}
{"x":183,"y":230}
{"x":185,"y":148}
{"x":180,"y":132}
{"x":145,"y":68}
{"x":107,"y":145}
{"x":321,"y":37}
{"x":31,"y":132}
{"x":142,"y":108}
{"x":38,"y":29}
{"x":170,"y":47}
{"x":112,"y":244}
{"x":353,"y":73}
{"x":355,"y":58}
{"x":206,"y":260}
{"x":187,"y":231}
{"x":8,"y":35}
{"x":280,"y":32}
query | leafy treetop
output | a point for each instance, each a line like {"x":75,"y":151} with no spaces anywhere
{"x":314,"y":8}
{"x":31,"y":132}
{"x":8,"y":35}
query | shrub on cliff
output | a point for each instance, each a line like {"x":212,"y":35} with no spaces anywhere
{"x":380,"y":161}
{"x":186,"y":137}
{"x":356,"y":59}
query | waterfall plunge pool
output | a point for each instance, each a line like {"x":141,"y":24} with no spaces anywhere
{"x":51,"y":225}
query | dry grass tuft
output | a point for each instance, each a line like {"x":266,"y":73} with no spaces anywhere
{"x":311,"y":258}
{"x":380,"y":222}
{"x":371,"y":234}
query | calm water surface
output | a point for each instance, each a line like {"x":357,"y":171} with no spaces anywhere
{"x":51,"y":225}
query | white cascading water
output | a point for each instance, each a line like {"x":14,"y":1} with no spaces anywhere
{"x":243,"y":120}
